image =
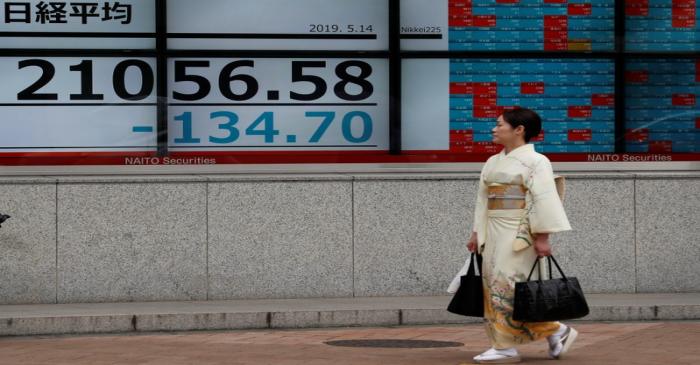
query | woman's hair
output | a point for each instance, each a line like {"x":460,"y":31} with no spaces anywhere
{"x":525,"y":117}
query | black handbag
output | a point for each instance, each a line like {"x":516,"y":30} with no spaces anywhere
{"x":469,"y":298}
{"x":549,"y":300}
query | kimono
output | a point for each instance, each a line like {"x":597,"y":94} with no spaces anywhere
{"x":506,"y":261}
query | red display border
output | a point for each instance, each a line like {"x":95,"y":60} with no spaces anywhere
{"x":301,"y":157}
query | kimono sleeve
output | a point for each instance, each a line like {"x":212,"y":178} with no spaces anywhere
{"x":547,"y":213}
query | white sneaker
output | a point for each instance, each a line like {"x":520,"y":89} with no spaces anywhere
{"x":561,"y":341}
{"x":554,"y":338}
{"x":494,"y":356}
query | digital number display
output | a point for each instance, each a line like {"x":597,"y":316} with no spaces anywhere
{"x":288,"y":104}
{"x":68,"y":103}
{"x":308,"y":81}
{"x":78,"y":104}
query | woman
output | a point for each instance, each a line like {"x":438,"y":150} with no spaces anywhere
{"x":515,"y":182}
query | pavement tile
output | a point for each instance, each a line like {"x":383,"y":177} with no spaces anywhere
{"x":643,"y":343}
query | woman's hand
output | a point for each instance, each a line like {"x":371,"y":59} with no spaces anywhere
{"x":542,"y":246}
{"x":473,"y":242}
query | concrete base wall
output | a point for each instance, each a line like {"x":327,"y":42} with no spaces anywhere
{"x":216,"y":237}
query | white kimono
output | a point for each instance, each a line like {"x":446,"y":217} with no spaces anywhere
{"x":523,"y":165}
{"x":504,"y":262}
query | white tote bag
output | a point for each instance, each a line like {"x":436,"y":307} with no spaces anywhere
{"x":454,"y":285}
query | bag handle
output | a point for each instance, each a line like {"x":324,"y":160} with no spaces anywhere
{"x":550,"y":259}
{"x":472,"y":270}
{"x":537,"y":261}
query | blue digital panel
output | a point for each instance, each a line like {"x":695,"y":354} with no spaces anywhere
{"x":531,"y":25}
{"x":574,"y":97}
{"x":662,"y":25}
{"x":662,"y":112}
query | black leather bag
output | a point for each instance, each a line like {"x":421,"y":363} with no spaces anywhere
{"x":549,"y":300}
{"x":469,"y":298}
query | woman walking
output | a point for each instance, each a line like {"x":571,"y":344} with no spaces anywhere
{"x":515,"y":182}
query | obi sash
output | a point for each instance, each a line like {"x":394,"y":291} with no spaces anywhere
{"x":506,"y":196}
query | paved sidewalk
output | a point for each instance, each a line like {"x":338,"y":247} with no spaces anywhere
{"x":621,"y":343}
{"x":52,"y":319}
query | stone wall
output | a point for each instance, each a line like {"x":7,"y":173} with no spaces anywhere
{"x":211,"y":237}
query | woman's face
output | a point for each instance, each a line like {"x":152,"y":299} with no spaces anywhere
{"x":503,"y":133}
